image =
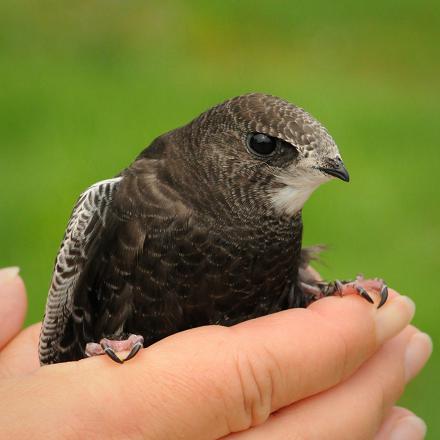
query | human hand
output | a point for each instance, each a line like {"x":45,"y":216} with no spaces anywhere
{"x":333,"y":370}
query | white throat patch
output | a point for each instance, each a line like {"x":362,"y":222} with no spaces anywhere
{"x":295,"y":191}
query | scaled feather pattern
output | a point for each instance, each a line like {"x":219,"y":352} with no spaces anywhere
{"x":204,"y":227}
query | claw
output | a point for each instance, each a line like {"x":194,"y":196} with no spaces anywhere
{"x":339,"y":287}
{"x":133,"y":351}
{"x":111,"y":354}
{"x":383,"y":296}
{"x":362,"y":292}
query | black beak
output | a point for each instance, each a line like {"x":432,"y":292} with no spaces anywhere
{"x":337,"y":169}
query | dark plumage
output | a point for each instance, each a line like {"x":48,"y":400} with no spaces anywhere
{"x":204,"y":227}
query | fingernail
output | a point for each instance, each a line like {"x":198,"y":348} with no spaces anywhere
{"x":409,"y":428}
{"x":417,"y":353}
{"x":8,"y":273}
{"x":393,"y":317}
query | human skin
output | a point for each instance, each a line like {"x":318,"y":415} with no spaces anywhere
{"x":333,"y":370}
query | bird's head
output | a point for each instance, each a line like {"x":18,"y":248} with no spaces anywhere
{"x":262,"y":145}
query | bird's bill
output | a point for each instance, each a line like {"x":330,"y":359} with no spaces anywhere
{"x":338,"y":171}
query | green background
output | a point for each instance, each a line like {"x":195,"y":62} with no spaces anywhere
{"x":85,"y":85}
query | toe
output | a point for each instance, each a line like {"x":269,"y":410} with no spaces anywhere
{"x":93,"y":349}
{"x":383,"y":296}
{"x":362,"y":292}
{"x":134,"y":351}
{"x":112,"y":355}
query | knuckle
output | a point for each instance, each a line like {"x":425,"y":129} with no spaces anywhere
{"x":254,"y":373}
{"x":352,"y":343}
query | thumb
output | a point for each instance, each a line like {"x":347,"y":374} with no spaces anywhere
{"x":13,"y":304}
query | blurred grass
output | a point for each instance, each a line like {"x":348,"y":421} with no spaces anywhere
{"x":85,"y":85}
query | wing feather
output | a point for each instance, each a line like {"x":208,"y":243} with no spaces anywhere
{"x":86,"y":225}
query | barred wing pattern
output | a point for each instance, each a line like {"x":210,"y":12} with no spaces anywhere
{"x":85,"y":227}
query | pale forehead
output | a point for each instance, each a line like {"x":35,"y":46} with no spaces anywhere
{"x":277,"y":117}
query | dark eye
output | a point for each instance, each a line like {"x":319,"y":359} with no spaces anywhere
{"x":286,"y":148}
{"x":261,"y":144}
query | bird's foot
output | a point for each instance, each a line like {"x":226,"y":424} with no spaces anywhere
{"x":118,"y":350}
{"x":359,"y":286}
{"x":314,"y":292}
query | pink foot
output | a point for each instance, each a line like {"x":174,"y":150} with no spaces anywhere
{"x":360,"y":285}
{"x":118,"y":350}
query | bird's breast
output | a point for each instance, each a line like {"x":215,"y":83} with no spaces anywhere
{"x":194,"y":273}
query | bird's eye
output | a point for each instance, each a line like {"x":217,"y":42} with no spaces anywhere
{"x":261,"y":144}
{"x":286,"y":147}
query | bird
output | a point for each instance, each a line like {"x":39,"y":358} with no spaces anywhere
{"x":204,"y":227}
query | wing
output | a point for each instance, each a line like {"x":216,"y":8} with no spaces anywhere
{"x":88,"y":223}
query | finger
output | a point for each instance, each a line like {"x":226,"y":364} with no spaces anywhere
{"x":355,"y":408}
{"x":210,"y":381}
{"x":401,"y":423}
{"x":20,"y":356}
{"x":13,"y":304}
